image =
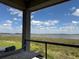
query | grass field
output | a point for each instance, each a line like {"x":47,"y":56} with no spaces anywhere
{"x":54,"y":52}
{"x":10,"y":41}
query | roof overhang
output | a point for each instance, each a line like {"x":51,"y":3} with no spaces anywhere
{"x":18,"y":4}
{"x":46,"y":3}
{"x":33,"y":5}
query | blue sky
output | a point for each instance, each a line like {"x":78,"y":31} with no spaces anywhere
{"x":58,"y":19}
{"x":10,"y":20}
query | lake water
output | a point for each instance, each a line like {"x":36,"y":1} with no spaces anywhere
{"x":65,"y":36}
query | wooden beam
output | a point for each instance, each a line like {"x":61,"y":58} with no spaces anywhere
{"x":47,"y":4}
{"x":18,"y":4}
{"x":33,"y":4}
{"x":26,"y":30}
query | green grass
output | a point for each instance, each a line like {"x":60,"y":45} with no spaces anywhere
{"x":57,"y":52}
{"x":6,"y":41}
{"x":54,"y":51}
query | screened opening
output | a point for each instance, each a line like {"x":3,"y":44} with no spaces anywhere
{"x":10,"y":27}
{"x":60,"y":24}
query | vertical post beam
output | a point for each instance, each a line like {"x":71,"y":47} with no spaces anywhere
{"x":26,"y":30}
{"x":46,"y":50}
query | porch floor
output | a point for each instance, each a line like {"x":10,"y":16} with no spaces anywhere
{"x":22,"y":55}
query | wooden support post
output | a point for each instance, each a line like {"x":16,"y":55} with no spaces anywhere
{"x":45,"y":50}
{"x":26,"y":30}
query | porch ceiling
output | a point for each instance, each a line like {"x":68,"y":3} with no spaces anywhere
{"x":34,"y":4}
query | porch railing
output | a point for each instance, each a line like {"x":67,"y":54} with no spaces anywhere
{"x":53,"y":43}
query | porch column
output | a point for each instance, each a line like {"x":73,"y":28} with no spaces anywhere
{"x":26,"y":30}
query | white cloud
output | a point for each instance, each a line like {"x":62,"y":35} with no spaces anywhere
{"x":68,"y":14}
{"x":76,"y":12}
{"x":73,"y":8}
{"x":75,"y":22}
{"x":44,"y":26}
{"x":15,"y":12}
{"x":15,"y":19}
{"x":32,"y":16}
{"x":68,"y":28}
{"x":7,"y":24}
{"x":45,"y":23}
{"x":21,"y":26}
{"x":71,"y":28}
{"x":7,"y":28}
{"x":35,"y":22}
{"x":8,"y":21}
{"x":52,"y":22}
